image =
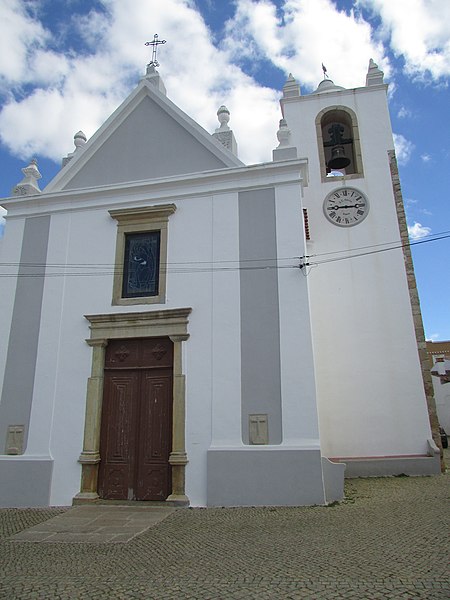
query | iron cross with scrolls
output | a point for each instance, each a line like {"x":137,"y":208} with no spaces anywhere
{"x":154,"y":43}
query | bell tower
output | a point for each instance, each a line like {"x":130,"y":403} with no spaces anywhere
{"x":366,"y":324}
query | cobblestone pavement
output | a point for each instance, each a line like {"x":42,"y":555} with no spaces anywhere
{"x":387,"y":540}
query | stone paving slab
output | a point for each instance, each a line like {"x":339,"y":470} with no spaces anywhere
{"x":95,"y":524}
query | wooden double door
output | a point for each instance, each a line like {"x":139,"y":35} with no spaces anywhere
{"x":136,"y":426}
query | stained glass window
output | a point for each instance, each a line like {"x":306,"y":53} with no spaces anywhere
{"x":141,"y":264}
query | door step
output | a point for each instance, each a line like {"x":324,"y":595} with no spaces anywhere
{"x":136,"y":503}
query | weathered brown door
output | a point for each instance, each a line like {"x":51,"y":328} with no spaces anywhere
{"x":136,"y":430}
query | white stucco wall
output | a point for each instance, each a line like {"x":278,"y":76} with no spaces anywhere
{"x":203,"y":273}
{"x":300,"y":419}
{"x":349,"y":368}
{"x":225,"y":334}
{"x":369,"y":384}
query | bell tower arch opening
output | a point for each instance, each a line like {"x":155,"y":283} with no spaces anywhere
{"x":339,"y":143}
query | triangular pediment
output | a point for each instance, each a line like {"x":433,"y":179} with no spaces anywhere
{"x":147,"y":137}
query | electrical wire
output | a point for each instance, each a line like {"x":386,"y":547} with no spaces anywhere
{"x":378,"y":251}
{"x":166,"y":270}
{"x":107,"y":269}
{"x":402,"y":244}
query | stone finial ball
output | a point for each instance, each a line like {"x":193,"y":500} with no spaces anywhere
{"x":223,"y":114}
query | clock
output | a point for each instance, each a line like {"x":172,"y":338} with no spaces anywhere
{"x":346,"y":207}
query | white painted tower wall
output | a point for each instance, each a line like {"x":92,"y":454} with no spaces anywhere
{"x":369,"y":384}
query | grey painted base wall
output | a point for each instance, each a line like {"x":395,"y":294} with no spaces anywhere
{"x":265,"y":476}
{"x":25,"y":482}
{"x":384,"y":467}
{"x":333,"y":479}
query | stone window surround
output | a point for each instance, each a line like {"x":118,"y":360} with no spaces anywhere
{"x":359,"y":172}
{"x":140,"y":220}
{"x":172,"y":323}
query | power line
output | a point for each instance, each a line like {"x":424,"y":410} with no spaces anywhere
{"x":378,"y":251}
{"x":107,"y":269}
{"x":111,"y":265}
{"x":170,"y":270}
{"x":429,"y":238}
{"x":398,"y":244}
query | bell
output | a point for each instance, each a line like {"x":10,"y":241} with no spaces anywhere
{"x":338,"y":159}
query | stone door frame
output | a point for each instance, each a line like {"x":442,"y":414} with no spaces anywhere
{"x":170,"y":323}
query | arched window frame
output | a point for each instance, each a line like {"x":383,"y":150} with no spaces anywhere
{"x":349,"y":117}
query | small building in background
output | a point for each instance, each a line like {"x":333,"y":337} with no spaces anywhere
{"x":439,"y":353}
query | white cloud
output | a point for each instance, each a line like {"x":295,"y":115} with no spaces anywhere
{"x":425,"y":157}
{"x":307,"y":34}
{"x":80,"y":91}
{"x":418,"y":231}
{"x":92,"y":27}
{"x":44,"y":123}
{"x":2,"y":220}
{"x":404,"y":113}
{"x":48,"y":68}
{"x":419,"y":30}
{"x":20,"y":35}
{"x":434,"y":337}
{"x":67,"y":91}
{"x":403,"y":148}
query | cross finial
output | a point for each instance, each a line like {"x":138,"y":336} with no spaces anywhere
{"x":155,"y":43}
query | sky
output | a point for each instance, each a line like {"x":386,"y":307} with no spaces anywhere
{"x":66,"y":65}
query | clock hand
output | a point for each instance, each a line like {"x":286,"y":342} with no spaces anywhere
{"x":347,"y":206}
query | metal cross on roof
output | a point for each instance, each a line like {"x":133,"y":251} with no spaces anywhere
{"x":155,"y":43}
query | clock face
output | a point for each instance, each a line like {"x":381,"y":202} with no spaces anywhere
{"x":346,"y":207}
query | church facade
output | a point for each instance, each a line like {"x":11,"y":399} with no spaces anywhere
{"x":182,"y":327}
